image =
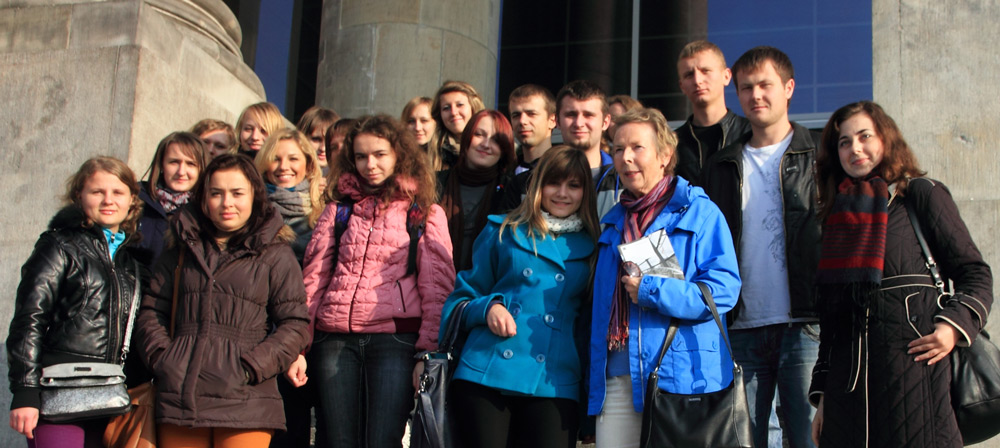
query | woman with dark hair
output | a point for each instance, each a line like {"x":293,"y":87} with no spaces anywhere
{"x":179,"y":159}
{"x":473,"y":189}
{"x":418,"y":119}
{"x":75,"y":295}
{"x":454,"y":104}
{"x":335,"y":135}
{"x":519,"y":381}
{"x":239,"y":318}
{"x":377,"y":271}
{"x":883,"y":377}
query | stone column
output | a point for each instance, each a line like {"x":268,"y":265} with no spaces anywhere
{"x":81,"y":79}
{"x":935,"y":69}
{"x":376,"y":55}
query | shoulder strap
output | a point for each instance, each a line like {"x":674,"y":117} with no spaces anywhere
{"x":928,"y":257}
{"x":340,"y":221}
{"x":706,"y":296}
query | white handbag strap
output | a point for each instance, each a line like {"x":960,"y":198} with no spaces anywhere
{"x":131,"y":314}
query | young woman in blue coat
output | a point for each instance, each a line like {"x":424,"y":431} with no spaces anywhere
{"x":631,"y":314}
{"x":519,"y":375}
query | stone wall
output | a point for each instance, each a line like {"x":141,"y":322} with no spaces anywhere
{"x":81,"y":79}
{"x":376,"y":55}
{"x":936,"y":73}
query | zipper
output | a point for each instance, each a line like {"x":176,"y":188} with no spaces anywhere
{"x":364,"y":258}
{"x":114,"y":306}
{"x":642,"y":382}
{"x":701,"y":154}
{"x":402,"y":300}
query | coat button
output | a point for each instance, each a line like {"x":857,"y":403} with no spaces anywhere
{"x":549,"y":318}
{"x":540,"y":358}
{"x":507,"y":354}
{"x":527,"y":272}
{"x":914,"y":318}
{"x":515,"y":309}
{"x":560,"y":277}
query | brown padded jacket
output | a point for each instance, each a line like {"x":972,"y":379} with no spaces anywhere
{"x":241,"y":320}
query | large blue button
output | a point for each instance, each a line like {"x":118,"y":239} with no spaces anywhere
{"x":560,"y":277}
{"x":507,"y":354}
{"x":549,"y":318}
{"x":540,"y":358}
{"x":527,"y":272}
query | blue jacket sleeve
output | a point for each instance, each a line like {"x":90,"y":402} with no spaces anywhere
{"x":713,"y":263}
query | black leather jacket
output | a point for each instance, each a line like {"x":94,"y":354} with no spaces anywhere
{"x":692,"y":156}
{"x":72,"y":304}
{"x":722,"y":179}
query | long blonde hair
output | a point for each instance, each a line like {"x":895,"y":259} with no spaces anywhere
{"x":556,"y":165}
{"x":313,"y":173}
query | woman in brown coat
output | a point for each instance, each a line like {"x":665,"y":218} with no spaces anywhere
{"x":240,"y":315}
{"x":883,"y":376}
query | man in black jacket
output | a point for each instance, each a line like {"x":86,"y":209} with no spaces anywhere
{"x":703,"y":76}
{"x":764,"y":185}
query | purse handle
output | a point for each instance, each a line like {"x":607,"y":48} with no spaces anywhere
{"x":447,"y":342}
{"x":131,"y":313}
{"x":672,"y":331}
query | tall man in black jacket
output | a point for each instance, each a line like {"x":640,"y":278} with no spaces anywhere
{"x":703,"y":76}
{"x":764,"y":185}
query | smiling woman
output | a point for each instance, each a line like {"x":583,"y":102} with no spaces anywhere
{"x":453,"y":107}
{"x":291,"y":170}
{"x":180,"y":157}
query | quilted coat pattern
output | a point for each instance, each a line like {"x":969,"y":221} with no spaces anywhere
{"x":364,"y":287}
{"x":898,"y":402}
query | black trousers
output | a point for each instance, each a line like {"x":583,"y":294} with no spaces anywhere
{"x":481,"y":416}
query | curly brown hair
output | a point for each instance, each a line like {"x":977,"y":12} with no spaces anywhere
{"x":117,"y":168}
{"x":410,"y":162}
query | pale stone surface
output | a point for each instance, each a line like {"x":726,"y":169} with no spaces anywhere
{"x":93,"y":78}
{"x":935,"y":71}
{"x":374,"y":60}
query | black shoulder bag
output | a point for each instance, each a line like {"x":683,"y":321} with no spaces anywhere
{"x":715,"y":419}
{"x":975,"y":370}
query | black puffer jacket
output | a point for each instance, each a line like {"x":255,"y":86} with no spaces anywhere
{"x":238,"y":310}
{"x":72,"y":303}
{"x":897,"y":402}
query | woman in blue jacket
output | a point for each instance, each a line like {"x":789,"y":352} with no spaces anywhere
{"x":631,"y":314}
{"x":519,"y":376}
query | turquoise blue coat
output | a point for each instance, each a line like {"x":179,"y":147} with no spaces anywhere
{"x":543,"y":293}
{"x":697,"y":360}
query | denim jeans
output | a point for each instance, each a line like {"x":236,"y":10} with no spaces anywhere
{"x":365,"y":388}
{"x":781,"y":356}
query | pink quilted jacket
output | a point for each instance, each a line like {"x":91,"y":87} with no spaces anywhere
{"x":363,"y":289}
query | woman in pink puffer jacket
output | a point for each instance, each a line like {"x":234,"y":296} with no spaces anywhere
{"x":370,"y":315}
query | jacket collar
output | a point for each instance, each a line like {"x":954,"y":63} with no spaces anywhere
{"x":572,"y":245}
{"x":801,"y":141}
{"x":672,"y":217}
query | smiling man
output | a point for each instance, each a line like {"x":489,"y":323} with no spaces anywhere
{"x":533,"y":117}
{"x":703,"y":76}
{"x":764,"y":185}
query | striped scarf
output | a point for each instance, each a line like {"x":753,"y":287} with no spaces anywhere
{"x":639,"y":214}
{"x":853,"y":249}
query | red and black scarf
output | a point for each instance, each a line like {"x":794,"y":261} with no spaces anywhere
{"x":639,"y":214}
{"x":853,"y":249}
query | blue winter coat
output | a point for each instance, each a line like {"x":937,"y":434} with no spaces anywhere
{"x":543,"y":293}
{"x":697,"y":360}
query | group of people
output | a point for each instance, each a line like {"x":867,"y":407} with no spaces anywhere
{"x":288,"y":269}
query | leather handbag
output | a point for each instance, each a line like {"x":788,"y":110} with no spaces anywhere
{"x":430,"y":428}
{"x":81,"y":390}
{"x":975,"y":370}
{"x":137,"y":428}
{"x":711,"y":420}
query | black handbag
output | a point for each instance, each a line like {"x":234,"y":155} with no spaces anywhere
{"x":975,"y":370}
{"x":81,"y":390}
{"x":711,"y":420}
{"x":430,"y":427}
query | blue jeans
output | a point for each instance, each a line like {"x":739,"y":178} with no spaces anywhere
{"x":365,"y":388}
{"x":779,"y":356}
